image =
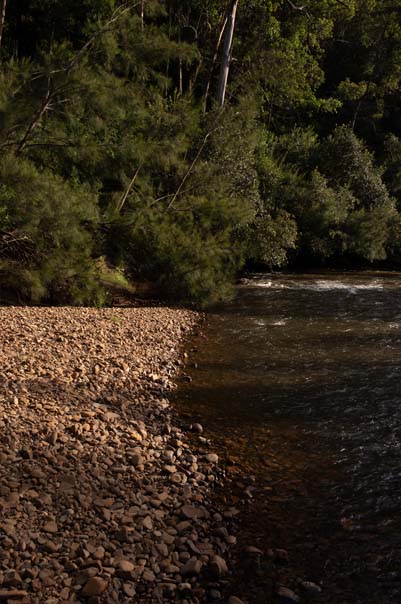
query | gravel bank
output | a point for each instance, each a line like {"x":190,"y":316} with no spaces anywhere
{"x":102,"y":498}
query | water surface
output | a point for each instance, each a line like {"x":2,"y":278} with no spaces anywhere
{"x":301,"y":377}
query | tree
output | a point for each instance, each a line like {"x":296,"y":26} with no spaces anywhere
{"x":227,"y":50}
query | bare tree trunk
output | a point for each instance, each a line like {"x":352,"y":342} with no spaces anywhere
{"x":170,"y":24}
{"x":227,"y":48}
{"x":216,"y":54}
{"x":181,"y":78}
{"x":358,"y":107}
{"x":2,"y":18}
{"x":193,"y":78}
{"x":180,"y":69}
{"x":142,"y":8}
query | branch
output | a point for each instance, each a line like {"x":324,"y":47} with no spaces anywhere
{"x":300,"y":9}
{"x":123,"y":199}
{"x":50,"y":95}
{"x":9,"y":239}
{"x":294,"y":7}
{"x":118,"y":13}
{"x":191,"y":167}
{"x":35,"y":122}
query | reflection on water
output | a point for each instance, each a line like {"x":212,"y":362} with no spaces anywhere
{"x":304,"y":373}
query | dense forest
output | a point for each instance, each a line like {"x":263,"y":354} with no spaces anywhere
{"x":174,"y":142}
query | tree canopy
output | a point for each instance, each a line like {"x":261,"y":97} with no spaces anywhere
{"x":121,"y":158}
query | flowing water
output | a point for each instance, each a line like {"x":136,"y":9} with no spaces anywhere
{"x":300,"y":380}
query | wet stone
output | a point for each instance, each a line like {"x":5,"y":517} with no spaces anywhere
{"x":310,"y":587}
{"x":284,"y":594}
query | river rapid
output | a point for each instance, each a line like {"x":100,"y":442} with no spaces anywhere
{"x":299,"y":380}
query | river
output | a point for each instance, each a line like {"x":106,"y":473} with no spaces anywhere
{"x":299,"y":380}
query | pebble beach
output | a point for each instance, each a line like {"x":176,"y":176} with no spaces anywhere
{"x":105,"y":496}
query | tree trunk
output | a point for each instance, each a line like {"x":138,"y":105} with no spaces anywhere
{"x":181,"y":77}
{"x":227,"y":49}
{"x":142,"y":9}
{"x":2,"y":18}
{"x":215,"y":56}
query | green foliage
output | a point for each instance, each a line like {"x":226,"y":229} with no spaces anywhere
{"x":345,"y":161}
{"x":46,"y":242}
{"x":328,"y":199}
{"x":113,"y":153}
{"x":272,"y":237}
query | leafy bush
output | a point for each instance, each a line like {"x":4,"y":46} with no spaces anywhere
{"x":46,"y":229}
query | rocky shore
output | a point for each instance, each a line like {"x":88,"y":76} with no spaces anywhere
{"x":103,"y":497}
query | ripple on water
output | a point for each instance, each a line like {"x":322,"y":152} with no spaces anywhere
{"x":327,"y":384}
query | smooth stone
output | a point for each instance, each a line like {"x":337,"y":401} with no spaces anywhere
{"x":281,"y":555}
{"x":287,"y":595}
{"x":129,"y":589}
{"x":251,"y":550}
{"x":192,"y":512}
{"x":137,"y":460}
{"x":147,"y":523}
{"x":95,"y":587}
{"x":125,"y":566}
{"x":218,"y":566}
{"x":310,"y":587}
{"x":191,"y":568}
{"x":50,"y":527}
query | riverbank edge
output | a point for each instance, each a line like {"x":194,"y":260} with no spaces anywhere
{"x":105,"y":497}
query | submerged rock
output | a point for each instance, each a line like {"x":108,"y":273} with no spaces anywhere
{"x":286,"y":595}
